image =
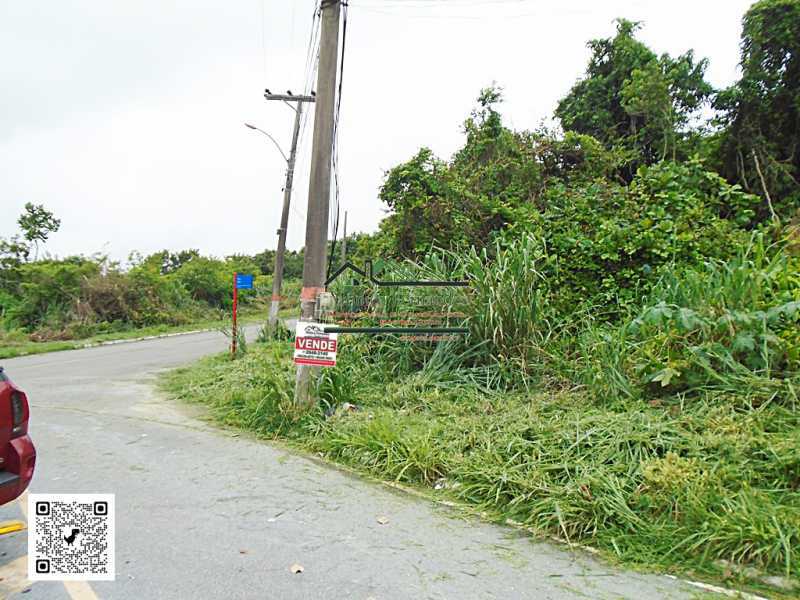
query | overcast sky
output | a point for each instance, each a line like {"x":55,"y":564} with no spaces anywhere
{"x":126,"y":118}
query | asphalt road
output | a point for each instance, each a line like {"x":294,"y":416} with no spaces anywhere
{"x":206,"y":513}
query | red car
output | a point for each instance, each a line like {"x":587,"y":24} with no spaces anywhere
{"x":17,"y":454}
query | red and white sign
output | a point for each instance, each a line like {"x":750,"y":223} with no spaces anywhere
{"x":312,"y":346}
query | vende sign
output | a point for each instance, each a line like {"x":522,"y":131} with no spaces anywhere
{"x":312,"y":346}
{"x":323,"y":345}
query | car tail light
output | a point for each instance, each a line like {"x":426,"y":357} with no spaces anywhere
{"x":17,"y":412}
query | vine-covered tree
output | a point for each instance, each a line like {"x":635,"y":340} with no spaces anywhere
{"x":416,"y":196}
{"x":760,"y":146}
{"x":633,"y":98}
{"x":462,"y":202}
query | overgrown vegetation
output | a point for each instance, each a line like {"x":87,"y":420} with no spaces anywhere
{"x":668,"y":437}
{"x":632,"y":370}
{"x":49,"y":301}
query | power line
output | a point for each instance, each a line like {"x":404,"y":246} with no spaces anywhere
{"x":310,"y":69}
{"x":312,"y":62}
{"x":313,"y":46}
{"x":399,"y":10}
{"x":335,"y":153}
{"x":263,"y":41}
{"x":440,"y":3}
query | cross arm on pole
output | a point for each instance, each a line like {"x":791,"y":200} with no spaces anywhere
{"x":290,"y":97}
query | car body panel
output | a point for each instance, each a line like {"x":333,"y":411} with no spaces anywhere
{"x":17,"y":453}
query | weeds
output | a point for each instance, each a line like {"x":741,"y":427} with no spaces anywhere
{"x":667,"y":436}
{"x":277,"y":332}
{"x":682,"y":483}
{"x":729,"y":327}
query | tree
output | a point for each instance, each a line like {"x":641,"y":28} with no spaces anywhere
{"x":415,"y":193}
{"x":37,"y":223}
{"x":292,"y":263}
{"x":489,"y":185}
{"x":172,"y":261}
{"x":760,"y":114}
{"x":632,"y":97}
{"x":13,"y":252}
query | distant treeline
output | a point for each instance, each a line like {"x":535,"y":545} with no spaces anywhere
{"x":80,"y":296}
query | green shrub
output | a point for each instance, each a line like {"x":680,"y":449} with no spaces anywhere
{"x":607,"y":243}
{"x":726,"y":326}
{"x":160,"y":299}
{"x":207,"y":280}
{"x":262,"y":398}
{"x":48,"y":292}
{"x":79,"y":297}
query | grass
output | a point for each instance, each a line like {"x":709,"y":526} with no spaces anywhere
{"x":665,"y":434}
{"x":681,"y":486}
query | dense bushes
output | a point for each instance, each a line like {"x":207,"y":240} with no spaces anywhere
{"x":731,"y":327}
{"x":54,"y":300}
{"x":632,"y":368}
{"x":610,"y":241}
{"x":46,"y":291}
{"x":79,"y":297}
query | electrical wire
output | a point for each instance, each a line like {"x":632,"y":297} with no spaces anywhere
{"x":312,"y":64}
{"x":335,"y":151}
{"x":263,"y":41}
{"x":398,"y":9}
{"x":310,"y":69}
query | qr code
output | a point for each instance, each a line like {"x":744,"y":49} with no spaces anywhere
{"x":70,"y":537}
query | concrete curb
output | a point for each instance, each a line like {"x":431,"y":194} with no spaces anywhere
{"x":155,"y":337}
{"x":79,"y":346}
{"x":141,"y":339}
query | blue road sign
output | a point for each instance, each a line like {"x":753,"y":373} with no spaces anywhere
{"x":244,"y":282}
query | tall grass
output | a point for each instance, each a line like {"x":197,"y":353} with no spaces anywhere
{"x":728,"y":327}
{"x":509,"y":303}
{"x":668,"y":437}
{"x":255,"y":393}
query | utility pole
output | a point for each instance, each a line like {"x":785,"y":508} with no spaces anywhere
{"x":277,"y":271}
{"x":344,"y":240}
{"x":319,"y":187}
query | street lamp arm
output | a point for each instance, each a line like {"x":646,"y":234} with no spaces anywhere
{"x":277,"y":145}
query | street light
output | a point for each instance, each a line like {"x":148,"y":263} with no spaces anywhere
{"x":277,"y":272}
{"x":277,"y":145}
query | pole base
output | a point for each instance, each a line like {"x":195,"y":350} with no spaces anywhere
{"x":274,"y":307}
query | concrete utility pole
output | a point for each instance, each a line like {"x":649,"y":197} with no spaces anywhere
{"x":277,"y":272}
{"x":344,"y":240}
{"x":319,"y":186}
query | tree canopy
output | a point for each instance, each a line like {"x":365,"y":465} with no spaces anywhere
{"x":760,"y":114}
{"x":631,"y":97}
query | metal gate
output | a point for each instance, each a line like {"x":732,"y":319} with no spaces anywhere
{"x":419,"y":309}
